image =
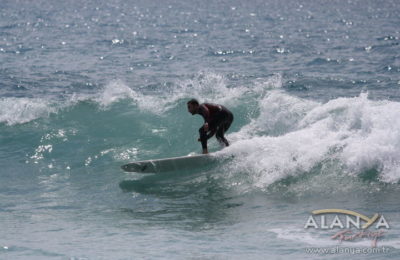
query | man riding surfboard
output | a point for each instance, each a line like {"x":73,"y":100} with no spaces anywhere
{"x":217,"y":120}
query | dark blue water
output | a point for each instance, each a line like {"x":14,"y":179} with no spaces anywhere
{"x":86,"y":86}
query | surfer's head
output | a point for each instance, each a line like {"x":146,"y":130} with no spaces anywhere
{"x":193,"y":106}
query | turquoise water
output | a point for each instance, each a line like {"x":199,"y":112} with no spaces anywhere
{"x":88,"y":86}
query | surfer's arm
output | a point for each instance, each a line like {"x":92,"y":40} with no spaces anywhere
{"x":206,"y":115}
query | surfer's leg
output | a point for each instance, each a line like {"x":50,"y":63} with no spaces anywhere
{"x":220,"y":134}
{"x":203,"y":138}
{"x":223,"y":127}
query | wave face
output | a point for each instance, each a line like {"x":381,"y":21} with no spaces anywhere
{"x":275,"y":135}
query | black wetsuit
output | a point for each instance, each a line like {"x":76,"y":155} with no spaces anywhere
{"x":219,"y":119}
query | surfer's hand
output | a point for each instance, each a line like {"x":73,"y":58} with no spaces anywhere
{"x":206,"y":127}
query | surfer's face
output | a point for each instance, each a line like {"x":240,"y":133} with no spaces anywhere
{"x":192,"y":108}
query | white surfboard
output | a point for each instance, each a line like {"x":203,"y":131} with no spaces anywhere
{"x":169,"y":164}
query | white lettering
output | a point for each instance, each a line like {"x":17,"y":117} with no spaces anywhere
{"x":351,"y":221}
{"x":382,"y":223}
{"x":311,"y":223}
{"x":336,"y":223}
{"x":323,"y":222}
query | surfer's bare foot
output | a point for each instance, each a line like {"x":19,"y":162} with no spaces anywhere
{"x":205,"y":151}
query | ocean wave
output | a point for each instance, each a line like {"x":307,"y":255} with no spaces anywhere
{"x":22,"y":110}
{"x":205,"y":86}
{"x":348,"y":136}
{"x":284,"y":137}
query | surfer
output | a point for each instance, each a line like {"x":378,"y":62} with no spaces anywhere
{"x":217,"y":120}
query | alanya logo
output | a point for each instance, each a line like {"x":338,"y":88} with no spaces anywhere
{"x":348,"y":219}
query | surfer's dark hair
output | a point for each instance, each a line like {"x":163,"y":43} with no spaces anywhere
{"x":193,"y":101}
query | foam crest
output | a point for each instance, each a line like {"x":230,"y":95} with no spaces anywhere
{"x":267,"y":159}
{"x":205,"y":86}
{"x":22,"y":110}
{"x":279,"y":114}
{"x":375,"y":140}
{"x":214,"y":88}
{"x":358,"y":133}
{"x":114,"y":92}
{"x":209,"y":87}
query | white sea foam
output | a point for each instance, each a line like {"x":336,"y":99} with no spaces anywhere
{"x":360,"y":134}
{"x":279,"y":113}
{"x":205,"y":86}
{"x":113,"y":92}
{"x":15,"y":110}
{"x":21,"y":110}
